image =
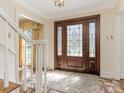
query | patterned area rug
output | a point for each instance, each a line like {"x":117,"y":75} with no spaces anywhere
{"x":110,"y":86}
{"x":70,"y":82}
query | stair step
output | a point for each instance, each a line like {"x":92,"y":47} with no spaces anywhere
{"x":30,"y":90}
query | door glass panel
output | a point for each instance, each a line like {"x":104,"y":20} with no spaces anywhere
{"x":92,"y":37}
{"x":74,"y":40}
{"x":59,"y":40}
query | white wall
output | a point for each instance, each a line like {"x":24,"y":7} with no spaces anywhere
{"x":2,"y":48}
{"x":49,"y":35}
{"x":10,"y":44}
{"x":109,"y":64}
{"x":122,"y":44}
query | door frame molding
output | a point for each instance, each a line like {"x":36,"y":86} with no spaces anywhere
{"x":78,"y":19}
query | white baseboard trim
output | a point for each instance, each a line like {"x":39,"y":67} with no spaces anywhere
{"x":110,"y":75}
{"x":122,"y":76}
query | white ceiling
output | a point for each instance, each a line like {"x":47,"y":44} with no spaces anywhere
{"x":46,"y":8}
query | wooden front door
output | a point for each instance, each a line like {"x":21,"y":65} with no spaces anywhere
{"x":77,"y":45}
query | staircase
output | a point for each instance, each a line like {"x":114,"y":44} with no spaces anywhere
{"x":40,"y":85}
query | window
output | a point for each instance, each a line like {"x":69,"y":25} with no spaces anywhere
{"x":92,"y":46}
{"x":59,"y":40}
{"x":74,"y":40}
{"x":28,"y":48}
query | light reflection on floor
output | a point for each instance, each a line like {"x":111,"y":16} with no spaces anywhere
{"x":57,"y":76}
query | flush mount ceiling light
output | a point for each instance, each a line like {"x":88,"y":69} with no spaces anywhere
{"x":59,"y":3}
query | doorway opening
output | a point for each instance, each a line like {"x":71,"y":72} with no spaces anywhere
{"x":27,"y":51}
{"x":77,"y":44}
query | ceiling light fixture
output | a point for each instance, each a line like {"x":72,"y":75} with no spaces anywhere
{"x":59,"y":3}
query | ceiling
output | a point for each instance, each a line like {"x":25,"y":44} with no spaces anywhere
{"x":46,"y":8}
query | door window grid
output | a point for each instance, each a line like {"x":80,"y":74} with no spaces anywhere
{"x":74,"y":40}
{"x":59,"y":41}
{"x":92,"y":46}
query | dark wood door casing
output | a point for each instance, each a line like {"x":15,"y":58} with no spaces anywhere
{"x":89,"y":62}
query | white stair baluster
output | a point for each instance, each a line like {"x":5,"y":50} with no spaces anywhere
{"x":36,"y":70}
{"x":32,"y":70}
{"x":25,"y":71}
{"x":45,"y":70}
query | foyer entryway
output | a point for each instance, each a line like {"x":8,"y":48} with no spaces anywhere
{"x":77,"y":44}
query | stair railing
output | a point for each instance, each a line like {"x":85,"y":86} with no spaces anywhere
{"x":41,"y":86}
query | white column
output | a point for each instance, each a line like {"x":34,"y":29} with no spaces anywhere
{"x":41,"y":87}
{"x":45,"y":69}
{"x":36,"y":69}
{"x":32,"y":71}
{"x":41,"y":67}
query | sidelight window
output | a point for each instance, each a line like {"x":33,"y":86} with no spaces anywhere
{"x":92,"y":38}
{"x":59,"y":40}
